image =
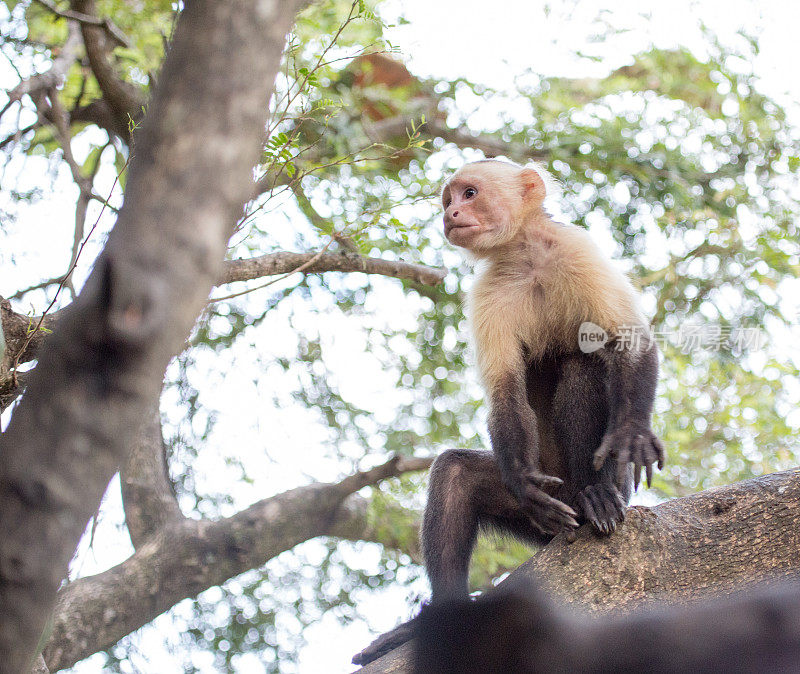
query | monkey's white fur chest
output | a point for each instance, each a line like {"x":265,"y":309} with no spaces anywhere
{"x":537,"y":295}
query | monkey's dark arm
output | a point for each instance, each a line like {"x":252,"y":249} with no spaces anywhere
{"x":632,"y":378}
{"x":518,"y":629}
{"x":515,"y":440}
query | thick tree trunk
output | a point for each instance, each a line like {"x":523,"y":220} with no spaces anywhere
{"x":706,"y":545}
{"x":103,"y":366}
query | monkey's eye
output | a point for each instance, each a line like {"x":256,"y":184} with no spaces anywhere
{"x":470,"y":192}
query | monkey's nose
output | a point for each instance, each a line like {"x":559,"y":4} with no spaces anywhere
{"x":455,"y":214}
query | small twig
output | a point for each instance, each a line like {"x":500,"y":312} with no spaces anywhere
{"x":13,"y":65}
{"x":38,"y":286}
{"x":291,"y":98}
{"x":17,"y":135}
{"x":51,"y":78}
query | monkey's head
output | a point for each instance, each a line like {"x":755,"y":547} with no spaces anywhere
{"x":487,"y":203}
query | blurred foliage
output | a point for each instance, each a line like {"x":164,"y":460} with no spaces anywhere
{"x":682,"y":161}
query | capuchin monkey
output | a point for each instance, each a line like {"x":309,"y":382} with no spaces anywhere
{"x":569,"y":368}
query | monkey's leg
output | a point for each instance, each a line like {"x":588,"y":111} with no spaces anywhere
{"x":515,"y":441}
{"x":465,"y":493}
{"x":632,"y":376}
{"x":580,"y":416}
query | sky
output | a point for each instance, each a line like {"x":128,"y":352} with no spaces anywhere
{"x":486,"y":42}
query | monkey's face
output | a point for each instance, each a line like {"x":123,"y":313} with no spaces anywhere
{"x":477,"y":214}
{"x":485,"y":204}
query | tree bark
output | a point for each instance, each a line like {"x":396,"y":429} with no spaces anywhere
{"x":684,"y":551}
{"x":271,"y":264}
{"x":147,"y":495}
{"x":101,"y":369}
{"x":22,"y":341}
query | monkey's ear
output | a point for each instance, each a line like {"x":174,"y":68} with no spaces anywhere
{"x":532,"y":184}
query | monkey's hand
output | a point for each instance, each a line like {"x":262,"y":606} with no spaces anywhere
{"x":547,"y":514}
{"x":385,"y":643}
{"x":631,"y":442}
{"x":602,"y":506}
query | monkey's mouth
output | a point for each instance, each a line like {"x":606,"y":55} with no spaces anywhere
{"x":450,"y":228}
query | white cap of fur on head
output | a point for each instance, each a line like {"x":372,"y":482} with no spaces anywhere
{"x":551,"y":186}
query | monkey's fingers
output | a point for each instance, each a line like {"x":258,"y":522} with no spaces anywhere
{"x":590,"y":514}
{"x":547,"y":513}
{"x":603,"y":507}
{"x":601,"y":453}
{"x":624,"y":457}
{"x":610,"y":447}
{"x":551,"y":524}
{"x":543,"y":481}
{"x":639,"y":460}
{"x":551,"y":515}
{"x":655,"y":455}
{"x":645,"y":454}
{"x":662,"y":455}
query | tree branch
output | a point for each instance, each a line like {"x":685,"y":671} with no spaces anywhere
{"x":390,"y":128}
{"x":353,"y":523}
{"x":54,"y":76}
{"x":395,"y":466}
{"x":10,"y":389}
{"x":124,"y":99}
{"x":102,"y":367}
{"x":147,"y":495}
{"x":17,"y":326}
{"x":188,"y":556}
{"x":684,"y":551}
{"x":715,"y":542}
{"x":113,"y":31}
{"x":282,"y":263}
{"x":17,"y":329}
{"x":17,"y":134}
{"x":101,"y":113}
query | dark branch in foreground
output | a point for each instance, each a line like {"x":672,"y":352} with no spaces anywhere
{"x":518,"y":629}
{"x":684,"y":551}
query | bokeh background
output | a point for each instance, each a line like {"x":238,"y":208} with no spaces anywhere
{"x":673,"y":132}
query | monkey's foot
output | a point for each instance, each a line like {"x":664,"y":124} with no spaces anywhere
{"x":385,"y":643}
{"x":602,"y":506}
{"x":632,"y":442}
